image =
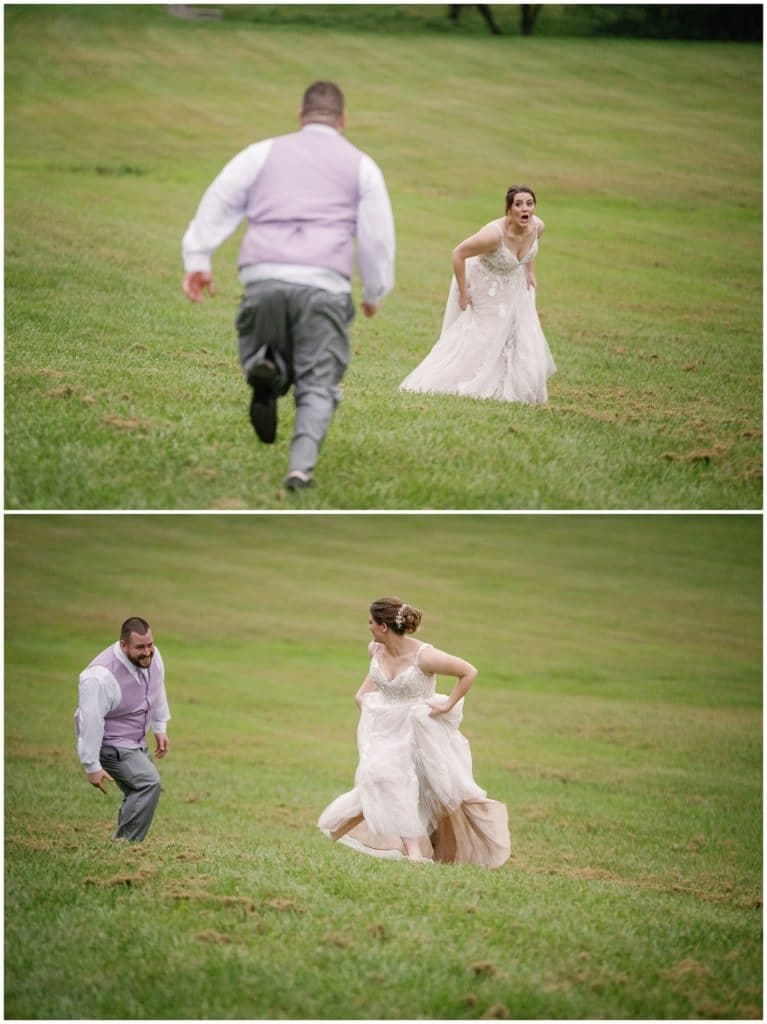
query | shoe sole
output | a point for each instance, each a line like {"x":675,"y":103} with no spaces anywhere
{"x":295,"y":483}
{"x":262,"y":372}
{"x":263,"y":404}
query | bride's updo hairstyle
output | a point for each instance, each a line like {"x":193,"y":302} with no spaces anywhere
{"x":514,"y":190}
{"x":397,"y":615}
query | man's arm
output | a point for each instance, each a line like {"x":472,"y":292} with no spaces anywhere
{"x":220,"y":211}
{"x":375,"y":237}
{"x":160,"y":712}
{"x":99,"y":694}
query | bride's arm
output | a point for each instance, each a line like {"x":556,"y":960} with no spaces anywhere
{"x":484,"y":241}
{"x":532,"y":280}
{"x":433,"y":661}
{"x":367,"y":687}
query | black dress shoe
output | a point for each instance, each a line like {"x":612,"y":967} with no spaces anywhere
{"x":262,"y":377}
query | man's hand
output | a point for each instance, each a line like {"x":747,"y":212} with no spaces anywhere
{"x":369,"y":309}
{"x":195,"y":283}
{"x":97,"y":778}
{"x":162,"y":745}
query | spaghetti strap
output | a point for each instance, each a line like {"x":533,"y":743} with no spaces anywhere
{"x":418,"y":655}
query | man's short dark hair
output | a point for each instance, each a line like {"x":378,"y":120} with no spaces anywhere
{"x":323,"y":100}
{"x":134,"y":625}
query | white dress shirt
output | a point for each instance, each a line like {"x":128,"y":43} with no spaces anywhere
{"x":225,"y":204}
{"x":100,"y":693}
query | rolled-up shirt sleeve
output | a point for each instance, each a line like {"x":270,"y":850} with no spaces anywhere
{"x":375,"y":234}
{"x":222,"y":207}
{"x":99,"y":694}
{"x":160,"y":711}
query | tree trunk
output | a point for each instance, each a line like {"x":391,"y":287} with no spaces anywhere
{"x":530,"y":13}
{"x":487,"y":14}
{"x":484,"y":10}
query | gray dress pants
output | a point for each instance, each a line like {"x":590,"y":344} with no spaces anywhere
{"x":309,"y":329}
{"x":139,"y":780}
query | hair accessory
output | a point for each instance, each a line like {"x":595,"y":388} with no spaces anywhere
{"x":398,"y":617}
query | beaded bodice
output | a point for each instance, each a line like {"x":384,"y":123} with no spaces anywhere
{"x":503,"y":261}
{"x":409,"y":684}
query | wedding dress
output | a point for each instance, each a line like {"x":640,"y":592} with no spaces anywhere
{"x":495,"y":348}
{"x":414,"y":779}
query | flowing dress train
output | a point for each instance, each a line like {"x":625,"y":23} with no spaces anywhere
{"x":495,"y":348}
{"x":414,"y":780}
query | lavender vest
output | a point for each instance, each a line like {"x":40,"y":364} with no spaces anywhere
{"x":127,"y":725}
{"x":302,"y":207}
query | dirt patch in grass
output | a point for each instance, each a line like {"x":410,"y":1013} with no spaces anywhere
{"x":65,"y":391}
{"x":195,"y":798}
{"x":705,"y":455}
{"x":200,"y":895}
{"x":754,"y":471}
{"x":126,"y":423}
{"x":716,"y":894}
{"x":687,"y":969}
{"x":211,"y":935}
{"x":694,"y":981}
{"x":483,"y":968}
{"x":30,"y":751}
{"x":41,"y":845}
{"x":496,"y":1012}
{"x":284,"y":905}
{"x":229,"y":503}
{"x":118,"y":881}
{"x":622,"y":405}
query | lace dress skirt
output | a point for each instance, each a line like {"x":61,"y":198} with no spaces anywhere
{"x":496,"y":347}
{"x":414,"y":780}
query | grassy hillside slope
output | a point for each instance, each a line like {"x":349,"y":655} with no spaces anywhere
{"x":617,"y":713}
{"x":647,"y":163}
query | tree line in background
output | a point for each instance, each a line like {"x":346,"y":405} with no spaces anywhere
{"x":734,"y":22}
{"x":722,"y":22}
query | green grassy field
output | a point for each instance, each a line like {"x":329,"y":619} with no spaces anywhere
{"x":646,"y":157}
{"x":617,"y":713}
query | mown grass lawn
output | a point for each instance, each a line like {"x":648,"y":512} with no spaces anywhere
{"x":617,"y":713}
{"x":646,"y":157}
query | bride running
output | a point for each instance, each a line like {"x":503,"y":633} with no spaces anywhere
{"x":414,"y":793}
{"x":491,"y":344}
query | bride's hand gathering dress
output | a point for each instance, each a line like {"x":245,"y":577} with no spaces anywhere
{"x":495,"y":348}
{"x":414,"y":779}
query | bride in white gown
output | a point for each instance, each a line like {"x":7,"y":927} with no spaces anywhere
{"x":491,"y":344}
{"x":414,"y":794}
